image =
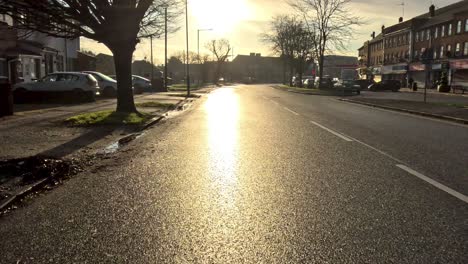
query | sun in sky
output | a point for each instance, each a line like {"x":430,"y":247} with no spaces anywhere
{"x":220,"y":15}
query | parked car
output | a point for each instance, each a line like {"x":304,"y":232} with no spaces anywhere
{"x":348,"y":85}
{"x":80,"y":86}
{"x":391,"y":85}
{"x":363,"y":83}
{"x":309,"y":83}
{"x":325,"y":83}
{"x":296,"y":81}
{"x":141,"y":84}
{"x":106,"y":83}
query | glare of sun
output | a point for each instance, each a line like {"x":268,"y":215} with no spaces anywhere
{"x":221,"y":15}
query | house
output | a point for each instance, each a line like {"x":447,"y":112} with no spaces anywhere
{"x":26,"y":56}
{"x":86,"y":62}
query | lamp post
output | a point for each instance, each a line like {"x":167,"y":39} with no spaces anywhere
{"x":187,"y":40}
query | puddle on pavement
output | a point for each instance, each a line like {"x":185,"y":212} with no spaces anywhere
{"x":114,"y":147}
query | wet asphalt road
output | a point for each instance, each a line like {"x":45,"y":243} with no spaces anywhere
{"x":256,"y":175}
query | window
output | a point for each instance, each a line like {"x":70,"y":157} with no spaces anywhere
{"x":457,"y":49}
{"x":422,"y":36}
{"x":442,"y":31}
{"x":465,"y":50}
{"x":466,"y":25}
{"x":442,"y":54}
{"x":459,"y":27}
{"x":428,"y":34}
{"x":435,"y":54}
{"x":449,"y":48}
{"x":417,"y":36}
{"x":416,"y":54}
{"x":50,"y":78}
{"x":436,"y":32}
{"x":449,"y":33}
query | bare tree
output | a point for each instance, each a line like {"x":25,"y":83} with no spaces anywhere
{"x":182,"y":56}
{"x":293,"y":40}
{"x":221,"y":48}
{"x":332,"y":21}
{"x":118,"y":24}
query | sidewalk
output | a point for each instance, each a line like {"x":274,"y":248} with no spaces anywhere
{"x":40,"y":129}
{"x":451,"y":108}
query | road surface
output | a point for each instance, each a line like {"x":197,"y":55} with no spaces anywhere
{"x":251,"y":174}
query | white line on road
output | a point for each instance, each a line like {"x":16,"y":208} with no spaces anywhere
{"x":434,"y":183}
{"x":287,"y":109}
{"x":274,"y":102}
{"x":331,"y":131}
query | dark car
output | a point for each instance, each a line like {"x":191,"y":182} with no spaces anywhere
{"x":325,"y":83}
{"x":386,"y":85}
{"x":364,"y":84}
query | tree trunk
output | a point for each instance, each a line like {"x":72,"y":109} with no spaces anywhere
{"x":123,"y":68}
{"x":320,"y":70}
{"x":300,"y":71}
{"x":291,"y":72}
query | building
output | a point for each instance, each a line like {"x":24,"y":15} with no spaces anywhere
{"x":27,"y":56}
{"x":86,"y":62}
{"x":256,"y":68}
{"x":375,"y":57}
{"x":422,"y":49}
{"x":105,"y":64}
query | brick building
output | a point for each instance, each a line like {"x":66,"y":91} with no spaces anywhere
{"x":422,"y":48}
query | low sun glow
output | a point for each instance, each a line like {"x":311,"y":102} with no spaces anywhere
{"x":221,"y":15}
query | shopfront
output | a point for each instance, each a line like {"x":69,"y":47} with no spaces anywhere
{"x":396,"y":72}
{"x":417,"y":72}
{"x":459,"y":73}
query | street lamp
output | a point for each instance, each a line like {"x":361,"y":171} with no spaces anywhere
{"x":187,"y":40}
{"x":198,"y":41}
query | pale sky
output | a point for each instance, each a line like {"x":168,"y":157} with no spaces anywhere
{"x":243,"y":21}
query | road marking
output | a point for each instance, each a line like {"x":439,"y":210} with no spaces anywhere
{"x":274,"y":102}
{"x":434,"y":183}
{"x":333,"y":132}
{"x":287,"y":109}
{"x":376,"y":149}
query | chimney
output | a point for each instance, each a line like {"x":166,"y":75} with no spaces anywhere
{"x":252,"y":54}
{"x":432,"y":10}
{"x":373,"y":34}
{"x":383,"y":27}
{"x":400,"y":20}
{"x":258,"y":54}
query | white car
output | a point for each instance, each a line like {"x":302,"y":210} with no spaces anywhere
{"x":80,"y":85}
{"x":107,"y":84}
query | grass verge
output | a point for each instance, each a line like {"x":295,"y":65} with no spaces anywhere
{"x":457,"y":105}
{"x":155,"y":104}
{"x":108,"y":117}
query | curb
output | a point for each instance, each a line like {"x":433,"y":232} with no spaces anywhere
{"x":21,"y":194}
{"x":124,"y":140}
{"x":319,"y":94}
{"x":425,"y":114}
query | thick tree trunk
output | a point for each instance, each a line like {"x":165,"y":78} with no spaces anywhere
{"x":123,"y":67}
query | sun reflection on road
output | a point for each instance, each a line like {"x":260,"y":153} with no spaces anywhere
{"x":222,"y":108}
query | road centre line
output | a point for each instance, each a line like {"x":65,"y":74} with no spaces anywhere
{"x":287,"y":109}
{"x":333,"y":132}
{"x":434,"y":183}
{"x":274,"y":102}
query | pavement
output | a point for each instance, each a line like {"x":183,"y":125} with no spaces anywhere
{"x":252,"y":174}
{"x":39,"y":128}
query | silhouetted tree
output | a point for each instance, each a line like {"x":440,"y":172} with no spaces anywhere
{"x":331,"y":20}
{"x":221,"y":48}
{"x":293,"y":41}
{"x":118,"y":24}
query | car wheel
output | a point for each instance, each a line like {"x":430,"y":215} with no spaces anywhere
{"x":109,"y":92}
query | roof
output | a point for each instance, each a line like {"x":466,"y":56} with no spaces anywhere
{"x":376,"y":39}
{"x":442,"y":14}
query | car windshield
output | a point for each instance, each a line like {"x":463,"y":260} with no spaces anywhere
{"x":102,"y":76}
{"x":239,"y":131}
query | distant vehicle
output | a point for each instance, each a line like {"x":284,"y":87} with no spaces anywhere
{"x":81,"y":86}
{"x":348,"y":85}
{"x":391,"y":85}
{"x":141,"y":84}
{"x":325,"y":83}
{"x":309,"y":83}
{"x":106,"y":83}
{"x":363,"y":83}
{"x":296,"y":81}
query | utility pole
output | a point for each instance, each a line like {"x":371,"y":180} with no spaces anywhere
{"x":165,"y":48}
{"x":187,"y":40}
{"x":152,"y":67}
